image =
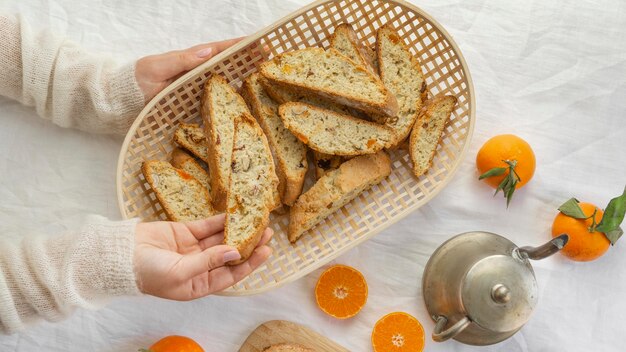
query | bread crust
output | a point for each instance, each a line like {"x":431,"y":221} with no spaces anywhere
{"x":427,"y":125}
{"x":290,"y":186}
{"x":402,"y":132}
{"x":387,"y":107}
{"x":336,"y":189}
{"x":148,"y":168}
{"x":184,"y":136}
{"x":345,"y":29}
{"x":272,"y":200}
{"x":219,"y":177}
{"x":368,"y":148}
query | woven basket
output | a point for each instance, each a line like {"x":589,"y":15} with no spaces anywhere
{"x":446,"y":72}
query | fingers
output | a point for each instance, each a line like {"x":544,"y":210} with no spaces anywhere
{"x":212,"y":258}
{"x":212,"y":240}
{"x":175,"y":63}
{"x":204,"y":228}
{"x":226,"y":276}
{"x":266,"y":237}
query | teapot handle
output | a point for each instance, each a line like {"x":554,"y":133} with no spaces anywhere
{"x":440,"y":336}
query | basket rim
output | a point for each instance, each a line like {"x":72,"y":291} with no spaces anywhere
{"x":252,"y":38}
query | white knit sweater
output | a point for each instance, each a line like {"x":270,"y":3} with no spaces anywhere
{"x":48,"y":277}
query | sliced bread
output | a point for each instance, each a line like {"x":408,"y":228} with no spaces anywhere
{"x":289,"y":153}
{"x":345,"y":41}
{"x":401,"y":73}
{"x":330,"y":75}
{"x":325,"y":163}
{"x":332,"y":133}
{"x":335,"y":190}
{"x":428,"y":131}
{"x":191,"y":137}
{"x":285,"y":95}
{"x":182,"y":197}
{"x":287,"y":347}
{"x":253,"y":185}
{"x":220,"y":107}
{"x":181,"y":160}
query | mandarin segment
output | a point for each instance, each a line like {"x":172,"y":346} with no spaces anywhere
{"x":582,"y":246}
{"x":398,"y":332}
{"x":341,"y":291}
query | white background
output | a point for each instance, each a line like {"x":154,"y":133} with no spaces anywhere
{"x":552,"y":72}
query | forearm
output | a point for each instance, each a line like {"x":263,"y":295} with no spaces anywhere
{"x":48,"y":277}
{"x":65,"y":84}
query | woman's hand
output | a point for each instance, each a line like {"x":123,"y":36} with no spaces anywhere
{"x":185,"y":261}
{"x":155,"y":72}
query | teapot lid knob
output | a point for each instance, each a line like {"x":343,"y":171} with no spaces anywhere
{"x":500,"y":294}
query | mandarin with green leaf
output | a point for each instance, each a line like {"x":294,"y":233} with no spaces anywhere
{"x":506,"y":162}
{"x":584,"y":243}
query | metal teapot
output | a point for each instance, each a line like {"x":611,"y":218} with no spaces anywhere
{"x":480,"y":288}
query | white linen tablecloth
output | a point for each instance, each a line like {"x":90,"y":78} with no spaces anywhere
{"x":552,"y":72}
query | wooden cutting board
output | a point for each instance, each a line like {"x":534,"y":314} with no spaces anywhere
{"x":281,"y":331}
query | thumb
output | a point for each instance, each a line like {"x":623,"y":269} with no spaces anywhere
{"x":174,"y":63}
{"x":191,"y":265}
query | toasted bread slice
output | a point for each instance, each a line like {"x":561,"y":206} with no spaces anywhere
{"x":191,"y":137}
{"x":428,"y":131}
{"x":332,"y":133}
{"x":370,"y":56}
{"x":220,"y":107}
{"x":285,"y":95}
{"x":182,"y":197}
{"x":325,"y":163}
{"x":289,"y":153}
{"x":330,"y":75}
{"x":402,"y":75}
{"x":287,"y":347}
{"x":181,"y":160}
{"x":346,"y":42}
{"x":335,"y":190}
{"x":253,"y":188}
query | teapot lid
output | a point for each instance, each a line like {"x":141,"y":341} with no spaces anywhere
{"x":499,"y":292}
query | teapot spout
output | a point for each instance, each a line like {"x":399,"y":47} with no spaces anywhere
{"x":546,"y":250}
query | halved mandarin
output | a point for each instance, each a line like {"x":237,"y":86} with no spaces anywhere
{"x":398,"y":332}
{"x":341,"y":291}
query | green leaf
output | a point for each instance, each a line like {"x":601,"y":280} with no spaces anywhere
{"x":613,"y":215}
{"x":572,"y":209}
{"x":614,"y":235}
{"x":496,"y":171}
{"x":509,"y":194}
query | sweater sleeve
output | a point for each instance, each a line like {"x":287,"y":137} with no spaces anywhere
{"x":65,"y":84}
{"x":48,"y":277}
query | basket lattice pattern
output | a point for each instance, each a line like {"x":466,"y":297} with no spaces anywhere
{"x":398,"y":195}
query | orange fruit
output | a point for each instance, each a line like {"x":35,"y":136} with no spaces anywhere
{"x":341,"y":291}
{"x":582,"y":246}
{"x":397,"y":332}
{"x":175,"y":343}
{"x":506,"y":147}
